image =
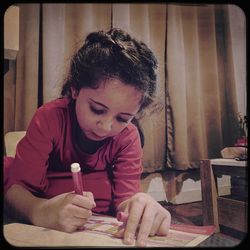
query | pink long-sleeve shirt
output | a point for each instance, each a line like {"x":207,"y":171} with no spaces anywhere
{"x":43,"y":158}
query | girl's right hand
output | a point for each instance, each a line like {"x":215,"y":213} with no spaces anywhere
{"x":66,"y":212}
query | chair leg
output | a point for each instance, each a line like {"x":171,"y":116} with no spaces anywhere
{"x":209,"y":195}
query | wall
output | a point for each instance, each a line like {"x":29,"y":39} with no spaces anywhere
{"x":11,"y":47}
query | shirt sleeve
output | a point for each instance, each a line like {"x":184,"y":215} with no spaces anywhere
{"x":29,"y":166}
{"x":127,"y":167}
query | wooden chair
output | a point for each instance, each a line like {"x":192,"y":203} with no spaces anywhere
{"x":10,"y":140}
{"x":228,"y":211}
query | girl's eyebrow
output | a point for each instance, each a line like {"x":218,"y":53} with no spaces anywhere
{"x":101,"y":104}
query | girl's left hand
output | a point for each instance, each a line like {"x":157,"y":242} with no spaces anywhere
{"x":146,"y":215}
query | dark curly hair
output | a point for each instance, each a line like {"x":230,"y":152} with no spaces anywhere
{"x":113,"y":54}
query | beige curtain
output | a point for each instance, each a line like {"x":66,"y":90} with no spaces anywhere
{"x":64,"y":28}
{"x":201,"y":83}
{"x":147,"y":22}
{"x":27,"y":66}
{"x":188,"y":46}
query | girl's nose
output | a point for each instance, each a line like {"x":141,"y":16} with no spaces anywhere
{"x":105,"y":126}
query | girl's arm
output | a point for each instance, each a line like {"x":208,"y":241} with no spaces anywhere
{"x":26,"y":176}
{"x":66,"y":212}
{"x":21,"y":202}
{"x":145,"y":215}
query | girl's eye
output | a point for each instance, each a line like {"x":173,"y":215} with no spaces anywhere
{"x":97,"y":111}
{"x":120,"y":119}
{"x":101,"y":112}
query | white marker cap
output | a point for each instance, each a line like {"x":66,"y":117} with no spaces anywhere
{"x":75,"y":167}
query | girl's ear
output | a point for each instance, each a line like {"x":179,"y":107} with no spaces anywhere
{"x":74,"y":93}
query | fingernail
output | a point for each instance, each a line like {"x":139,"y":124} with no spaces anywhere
{"x":142,"y":243}
{"x":129,"y":239}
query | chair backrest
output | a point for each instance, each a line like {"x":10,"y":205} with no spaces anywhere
{"x":10,"y":140}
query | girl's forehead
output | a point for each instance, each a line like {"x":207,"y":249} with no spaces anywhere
{"x":117,"y":87}
{"x":114,"y":93}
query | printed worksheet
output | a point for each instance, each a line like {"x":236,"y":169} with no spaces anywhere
{"x":99,"y":232}
{"x":182,"y":235}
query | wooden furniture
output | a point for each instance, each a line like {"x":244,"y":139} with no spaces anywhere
{"x":229,"y":211}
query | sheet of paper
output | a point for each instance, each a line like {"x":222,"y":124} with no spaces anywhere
{"x":98,"y":231}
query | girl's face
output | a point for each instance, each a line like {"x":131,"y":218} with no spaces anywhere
{"x":104,"y":112}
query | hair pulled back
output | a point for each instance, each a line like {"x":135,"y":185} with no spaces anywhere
{"x":113,"y":54}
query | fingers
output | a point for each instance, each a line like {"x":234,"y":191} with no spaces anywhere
{"x":147,"y":223}
{"x":133,"y":222}
{"x":79,"y":216}
{"x":80,"y":212}
{"x":157,"y":222}
{"x":73,"y":217}
{"x":86,"y":201}
{"x":79,"y":222}
{"x":77,"y":210}
{"x":120,"y":232}
{"x":72,"y":224}
{"x":165,"y":225}
{"x":91,"y":197}
{"x":146,"y":218}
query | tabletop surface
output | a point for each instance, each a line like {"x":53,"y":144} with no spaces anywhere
{"x":99,"y":231}
{"x":228,"y":162}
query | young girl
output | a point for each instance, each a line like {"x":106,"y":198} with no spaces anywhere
{"x":112,"y":79}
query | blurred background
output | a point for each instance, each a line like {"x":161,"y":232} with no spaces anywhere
{"x":201,"y":50}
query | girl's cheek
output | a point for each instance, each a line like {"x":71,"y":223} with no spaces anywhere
{"x":120,"y":128}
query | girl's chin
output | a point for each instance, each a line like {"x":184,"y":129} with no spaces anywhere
{"x":94,"y":137}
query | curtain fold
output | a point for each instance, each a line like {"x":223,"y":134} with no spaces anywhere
{"x":200,"y":51}
{"x":201,"y":83}
{"x":27,"y":66}
{"x":65,"y":27}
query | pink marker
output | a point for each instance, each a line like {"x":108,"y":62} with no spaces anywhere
{"x":77,"y":178}
{"x":122,"y":216}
